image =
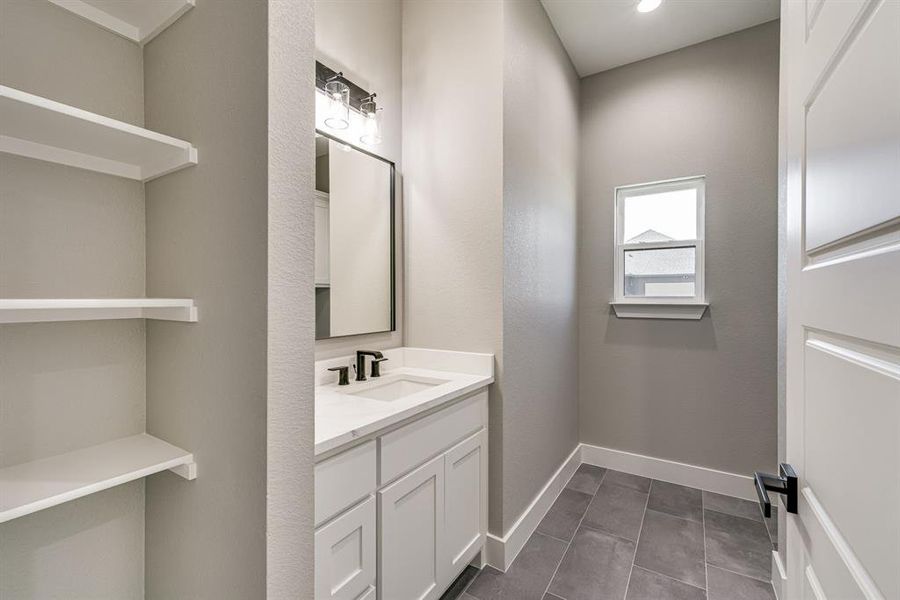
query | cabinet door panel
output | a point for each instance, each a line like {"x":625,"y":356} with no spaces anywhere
{"x":465,"y":503}
{"x":345,"y":554}
{"x":412,"y":532}
{"x":323,"y":236}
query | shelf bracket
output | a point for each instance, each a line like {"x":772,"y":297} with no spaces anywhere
{"x":187,"y":470}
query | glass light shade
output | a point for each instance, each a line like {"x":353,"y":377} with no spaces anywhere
{"x":371,"y":134}
{"x":338,"y":115}
{"x":646,"y":6}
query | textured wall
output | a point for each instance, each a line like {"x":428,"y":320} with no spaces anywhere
{"x":363,"y":40}
{"x":291,"y":323}
{"x":540,"y":319}
{"x":700,"y":392}
{"x":453,"y":189}
{"x":65,"y":232}
{"x":205,"y":80}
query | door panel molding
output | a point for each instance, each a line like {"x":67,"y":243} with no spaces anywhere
{"x":862,"y":578}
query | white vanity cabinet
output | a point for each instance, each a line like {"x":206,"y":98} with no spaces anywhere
{"x":425,"y":517}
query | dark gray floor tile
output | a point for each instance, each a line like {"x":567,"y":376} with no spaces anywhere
{"x":586,"y":479}
{"x":551,"y":597}
{"x":732,"y":506}
{"x":595,"y":566}
{"x":562,"y":519}
{"x":738,"y":545}
{"x":673,"y":547}
{"x":527,"y":577}
{"x":646,"y":585}
{"x":677,"y":500}
{"x":616,"y":510}
{"x":467,"y":597}
{"x":724,"y":585}
{"x":634,"y":482}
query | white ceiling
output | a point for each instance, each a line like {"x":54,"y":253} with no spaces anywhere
{"x":602,"y":34}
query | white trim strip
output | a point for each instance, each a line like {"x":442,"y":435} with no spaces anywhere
{"x":501,"y":552}
{"x":711,"y":480}
{"x":814,"y":584}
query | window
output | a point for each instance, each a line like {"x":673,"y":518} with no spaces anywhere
{"x":659,"y":248}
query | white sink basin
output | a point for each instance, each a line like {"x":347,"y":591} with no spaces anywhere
{"x":398,"y":388}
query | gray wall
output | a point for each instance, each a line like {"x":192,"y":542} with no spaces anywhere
{"x":291,"y":322}
{"x":540,"y":319}
{"x":453,"y":190}
{"x":490,"y":186}
{"x":71,"y":233}
{"x":362,"y":39}
{"x":205,"y":80}
{"x":700,"y":392}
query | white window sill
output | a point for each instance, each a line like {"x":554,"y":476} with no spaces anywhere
{"x":659,"y":310}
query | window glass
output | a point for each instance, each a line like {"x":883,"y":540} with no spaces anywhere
{"x":660,"y":272}
{"x":660,"y":217}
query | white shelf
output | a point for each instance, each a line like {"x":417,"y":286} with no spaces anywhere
{"x":44,"y":129}
{"x":137,"y":20}
{"x":30,"y":310}
{"x":34,"y":486}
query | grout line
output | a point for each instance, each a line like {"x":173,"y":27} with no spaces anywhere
{"x":607,"y":533}
{"x":705,"y":561}
{"x":736,"y":573}
{"x":763,"y":523}
{"x":640,"y":530}
{"x":659,"y":512}
{"x":553,"y":537}
{"x":569,"y":544}
{"x":693,"y":585}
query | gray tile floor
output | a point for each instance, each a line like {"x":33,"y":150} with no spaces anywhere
{"x":611,"y":535}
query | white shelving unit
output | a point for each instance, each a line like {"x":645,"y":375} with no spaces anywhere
{"x":34,"y":486}
{"x":137,"y":20}
{"x":44,"y":129}
{"x":30,"y":310}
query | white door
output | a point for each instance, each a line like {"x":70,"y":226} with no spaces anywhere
{"x":841,"y":112}
{"x":412,"y":532}
{"x":465,"y":504}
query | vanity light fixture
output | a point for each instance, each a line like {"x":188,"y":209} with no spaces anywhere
{"x":371,"y":135}
{"x":338,"y":93}
{"x":645,"y":6}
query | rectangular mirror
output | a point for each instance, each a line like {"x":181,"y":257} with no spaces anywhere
{"x":354,"y":240}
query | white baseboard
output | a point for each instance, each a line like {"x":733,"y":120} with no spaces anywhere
{"x":501,"y":552}
{"x":730,"y":484}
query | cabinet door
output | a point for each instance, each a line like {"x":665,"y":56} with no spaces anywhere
{"x":323,"y":240}
{"x":345,"y":554}
{"x":412,"y":532}
{"x":465,"y":503}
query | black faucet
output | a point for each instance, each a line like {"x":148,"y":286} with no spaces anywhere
{"x":361,"y":362}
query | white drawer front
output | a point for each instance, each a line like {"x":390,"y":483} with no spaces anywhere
{"x":343,"y":480}
{"x":411,"y":445}
{"x":345,"y":554}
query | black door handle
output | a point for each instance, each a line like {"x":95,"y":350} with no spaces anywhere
{"x":783,"y":483}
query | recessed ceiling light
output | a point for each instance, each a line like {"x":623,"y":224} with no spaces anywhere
{"x":645,"y":6}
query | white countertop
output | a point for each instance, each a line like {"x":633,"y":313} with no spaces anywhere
{"x":342,"y":416}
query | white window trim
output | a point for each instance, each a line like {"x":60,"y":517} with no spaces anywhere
{"x":657,"y":307}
